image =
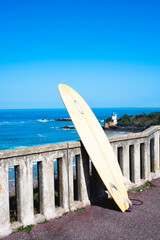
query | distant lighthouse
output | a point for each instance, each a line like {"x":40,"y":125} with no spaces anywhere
{"x":114,"y":118}
{"x":111,"y":121}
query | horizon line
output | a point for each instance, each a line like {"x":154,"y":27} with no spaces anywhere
{"x":65,"y":108}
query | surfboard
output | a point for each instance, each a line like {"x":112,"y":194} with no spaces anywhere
{"x":96,"y":144}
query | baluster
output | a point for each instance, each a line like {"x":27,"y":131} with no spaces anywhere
{"x":70,"y":179}
{"x":86,"y":168}
{"x":156,"y":151}
{"x":4,"y":200}
{"x":24,"y":191}
{"x":63,"y":175}
{"x":83,"y":178}
{"x":147,"y":158}
{"x":114,"y":147}
{"x":136,"y":162}
{"x":46,"y":184}
{"x":125,"y":164}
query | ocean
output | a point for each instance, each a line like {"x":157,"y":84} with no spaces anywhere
{"x":30,"y":127}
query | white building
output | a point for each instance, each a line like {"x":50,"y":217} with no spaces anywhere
{"x":114,"y":118}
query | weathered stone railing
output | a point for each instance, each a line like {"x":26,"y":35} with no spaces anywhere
{"x":137,"y":153}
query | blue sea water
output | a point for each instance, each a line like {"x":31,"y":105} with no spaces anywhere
{"x":22,"y":128}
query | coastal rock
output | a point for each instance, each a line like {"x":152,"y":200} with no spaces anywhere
{"x":63,"y":119}
{"x":67,"y":127}
{"x":127,"y":128}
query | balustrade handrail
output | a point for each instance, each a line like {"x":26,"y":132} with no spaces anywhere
{"x":149,"y":131}
{"x":38,"y":149}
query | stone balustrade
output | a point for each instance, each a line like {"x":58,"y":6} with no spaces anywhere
{"x":137,"y":154}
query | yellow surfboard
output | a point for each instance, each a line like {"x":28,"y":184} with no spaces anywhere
{"x":96,"y":144}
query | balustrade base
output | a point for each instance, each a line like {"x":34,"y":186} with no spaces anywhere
{"x":5,"y":230}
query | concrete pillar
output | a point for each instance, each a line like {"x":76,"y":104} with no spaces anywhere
{"x":83,"y":178}
{"x":24,"y":191}
{"x":136,"y":163}
{"x":156,"y":151}
{"x":114,"y":147}
{"x":4,"y":201}
{"x":46,"y":187}
{"x":146,"y":165}
{"x":125,"y":162}
{"x":63,"y":176}
{"x":70,"y":179}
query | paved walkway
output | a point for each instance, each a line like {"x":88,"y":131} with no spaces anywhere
{"x":105,"y":221}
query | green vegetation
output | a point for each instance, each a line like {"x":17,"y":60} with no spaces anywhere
{"x":108,"y":120}
{"x":80,"y":209}
{"x":45,"y":221}
{"x":26,"y":229}
{"x":141,"y":120}
{"x":36,"y":199}
{"x":13,"y":207}
{"x":65,"y":213}
{"x":142,"y":188}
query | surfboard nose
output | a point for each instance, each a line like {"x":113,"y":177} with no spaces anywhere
{"x":60,"y":86}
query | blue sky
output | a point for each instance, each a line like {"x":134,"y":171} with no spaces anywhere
{"x":108,"y":51}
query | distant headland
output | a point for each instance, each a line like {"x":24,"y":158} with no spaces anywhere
{"x":133,"y":122}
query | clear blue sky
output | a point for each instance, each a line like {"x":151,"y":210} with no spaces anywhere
{"x":109,"y":51}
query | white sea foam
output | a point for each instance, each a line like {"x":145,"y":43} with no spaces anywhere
{"x":46,"y":120}
{"x":10,"y":123}
{"x":42,"y":120}
{"x":4,"y":123}
{"x":20,"y":147}
{"x":39,"y":135}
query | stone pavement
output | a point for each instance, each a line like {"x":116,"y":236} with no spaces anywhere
{"x":105,"y":221}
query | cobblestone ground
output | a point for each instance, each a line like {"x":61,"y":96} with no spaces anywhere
{"x":105,"y":221}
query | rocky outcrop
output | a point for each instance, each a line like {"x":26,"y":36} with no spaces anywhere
{"x":63,"y":119}
{"x":108,"y":124}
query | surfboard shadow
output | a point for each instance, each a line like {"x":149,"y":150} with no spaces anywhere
{"x":106,"y":203}
{"x":95,"y":187}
